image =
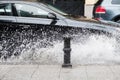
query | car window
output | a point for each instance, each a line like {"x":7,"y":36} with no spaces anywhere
{"x":25,"y":10}
{"x":56,"y":10}
{"x":115,"y":1}
{"x":5,"y":10}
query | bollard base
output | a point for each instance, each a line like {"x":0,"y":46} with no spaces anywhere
{"x":67,"y":66}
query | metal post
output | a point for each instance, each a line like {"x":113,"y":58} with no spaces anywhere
{"x":67,"y":50}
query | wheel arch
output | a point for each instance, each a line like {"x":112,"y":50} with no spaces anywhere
{"x":116,"y":18}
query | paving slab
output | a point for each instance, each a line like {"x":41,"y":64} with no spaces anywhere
{"x":116,"y":72}
{"x":19,"y":72}
{"x":99,"y":73}
{"x":4,"y":70}
{"x":56,"y":72}
{"x":45,"y":72}
{"x":75,"y":73}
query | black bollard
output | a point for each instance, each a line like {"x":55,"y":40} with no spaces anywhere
{"x":67,"y":50}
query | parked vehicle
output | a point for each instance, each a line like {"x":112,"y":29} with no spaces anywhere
{"x":107,"y":10}
{"x":39,"y":13}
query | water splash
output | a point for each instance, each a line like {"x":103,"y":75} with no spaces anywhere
{"x":95,"y":49}
{"x":40,"y":51}
{"x":98,"y":49}
{"x":29,"y":46}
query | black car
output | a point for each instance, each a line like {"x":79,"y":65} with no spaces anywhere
{"x":107,"y":10}
{"x":40,"y":13}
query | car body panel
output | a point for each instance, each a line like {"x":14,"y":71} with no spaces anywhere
{"x":7,"y":19}
{"x":61,"y":20}
{"x":40,"y":21}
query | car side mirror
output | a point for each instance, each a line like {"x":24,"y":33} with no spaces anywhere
{"x":52,"y":16}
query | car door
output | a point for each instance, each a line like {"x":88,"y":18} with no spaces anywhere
{"x":34,"y":15}
{"x":6,"y":13}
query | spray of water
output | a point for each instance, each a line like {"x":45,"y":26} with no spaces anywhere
{"x":40,"y":51}
{"x":97,"y":49}
{"x":86,"y":49}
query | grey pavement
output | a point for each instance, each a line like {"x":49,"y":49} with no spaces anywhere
{"x":56,"y":72}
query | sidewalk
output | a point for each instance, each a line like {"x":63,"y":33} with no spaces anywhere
{"x":55,"y":72}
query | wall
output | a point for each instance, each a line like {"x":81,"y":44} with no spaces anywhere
{"x":89,"y":4}
{"x":90,"y":1}
{"x":75,"y":7}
